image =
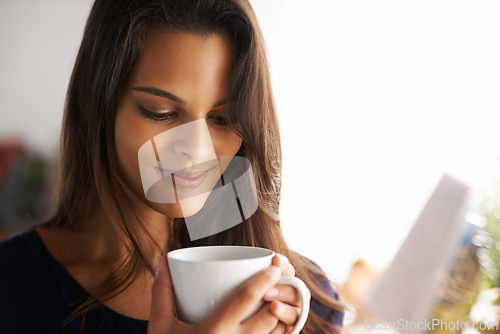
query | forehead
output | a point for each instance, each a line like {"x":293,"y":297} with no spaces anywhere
{"x":184,"y":62}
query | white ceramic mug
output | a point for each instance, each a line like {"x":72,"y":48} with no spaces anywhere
{"x":204,"y":278}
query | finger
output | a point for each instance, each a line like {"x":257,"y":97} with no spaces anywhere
{"x":285,"y":313}
{"x":284,"y":293}
{"x":247,"y":296}
{"x":261,"y":322}
{"x":282,"y":261}
{"x":162,"y":307}
{"x":279,"y":329}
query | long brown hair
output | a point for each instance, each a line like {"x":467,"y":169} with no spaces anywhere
{"x":110,"y":46}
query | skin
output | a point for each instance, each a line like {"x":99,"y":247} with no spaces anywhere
{"x":196,"y":70}
{"x":269,"y":319}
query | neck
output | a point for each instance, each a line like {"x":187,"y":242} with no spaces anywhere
{"x":99,"y":242}
{"x":108,"y":242}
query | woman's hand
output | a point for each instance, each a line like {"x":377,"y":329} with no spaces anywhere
{"x":228,"y":319}
{"x":285,"y":302}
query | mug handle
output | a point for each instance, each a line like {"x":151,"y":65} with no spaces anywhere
{"x":305,"y":296}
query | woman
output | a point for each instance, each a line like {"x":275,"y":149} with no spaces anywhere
{"x":144,"y":68}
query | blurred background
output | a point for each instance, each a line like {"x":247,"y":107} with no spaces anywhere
{"x":377,"y":100}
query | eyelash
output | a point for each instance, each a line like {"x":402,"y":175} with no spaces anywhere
{"x":157,"y":117}
{"x":217,"y":120}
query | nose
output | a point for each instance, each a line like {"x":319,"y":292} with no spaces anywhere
{"x":193,"y":142}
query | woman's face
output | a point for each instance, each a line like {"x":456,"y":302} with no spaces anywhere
{"x":171,"y":125}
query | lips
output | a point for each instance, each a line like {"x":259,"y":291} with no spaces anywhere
{"x":189,"y":180}
{"x":186,"y":178}
{"x":190,"y":175}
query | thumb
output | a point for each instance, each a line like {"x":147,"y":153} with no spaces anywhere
{"x":162,"y":303}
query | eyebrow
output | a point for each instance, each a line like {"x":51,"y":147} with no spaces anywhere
{"x":166,"y":95}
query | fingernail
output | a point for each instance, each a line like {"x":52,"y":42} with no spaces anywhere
{"x":275,"y":271}
{"x":157,"y":265}
{"x":271,"y":294}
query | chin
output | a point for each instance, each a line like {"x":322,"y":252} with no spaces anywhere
{"x":184,"y":208}
{"x":192,"y":205}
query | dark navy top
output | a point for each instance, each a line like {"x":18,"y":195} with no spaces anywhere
{"x":37,"y":294}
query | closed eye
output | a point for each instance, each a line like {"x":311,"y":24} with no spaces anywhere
{"x":218,"y":120}
{"x":157,"y":117}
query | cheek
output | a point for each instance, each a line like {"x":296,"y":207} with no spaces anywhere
{"x":226,"y":143}
{"x":130,"y":134}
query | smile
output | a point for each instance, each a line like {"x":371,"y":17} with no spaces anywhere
{"x":184,"y":179}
